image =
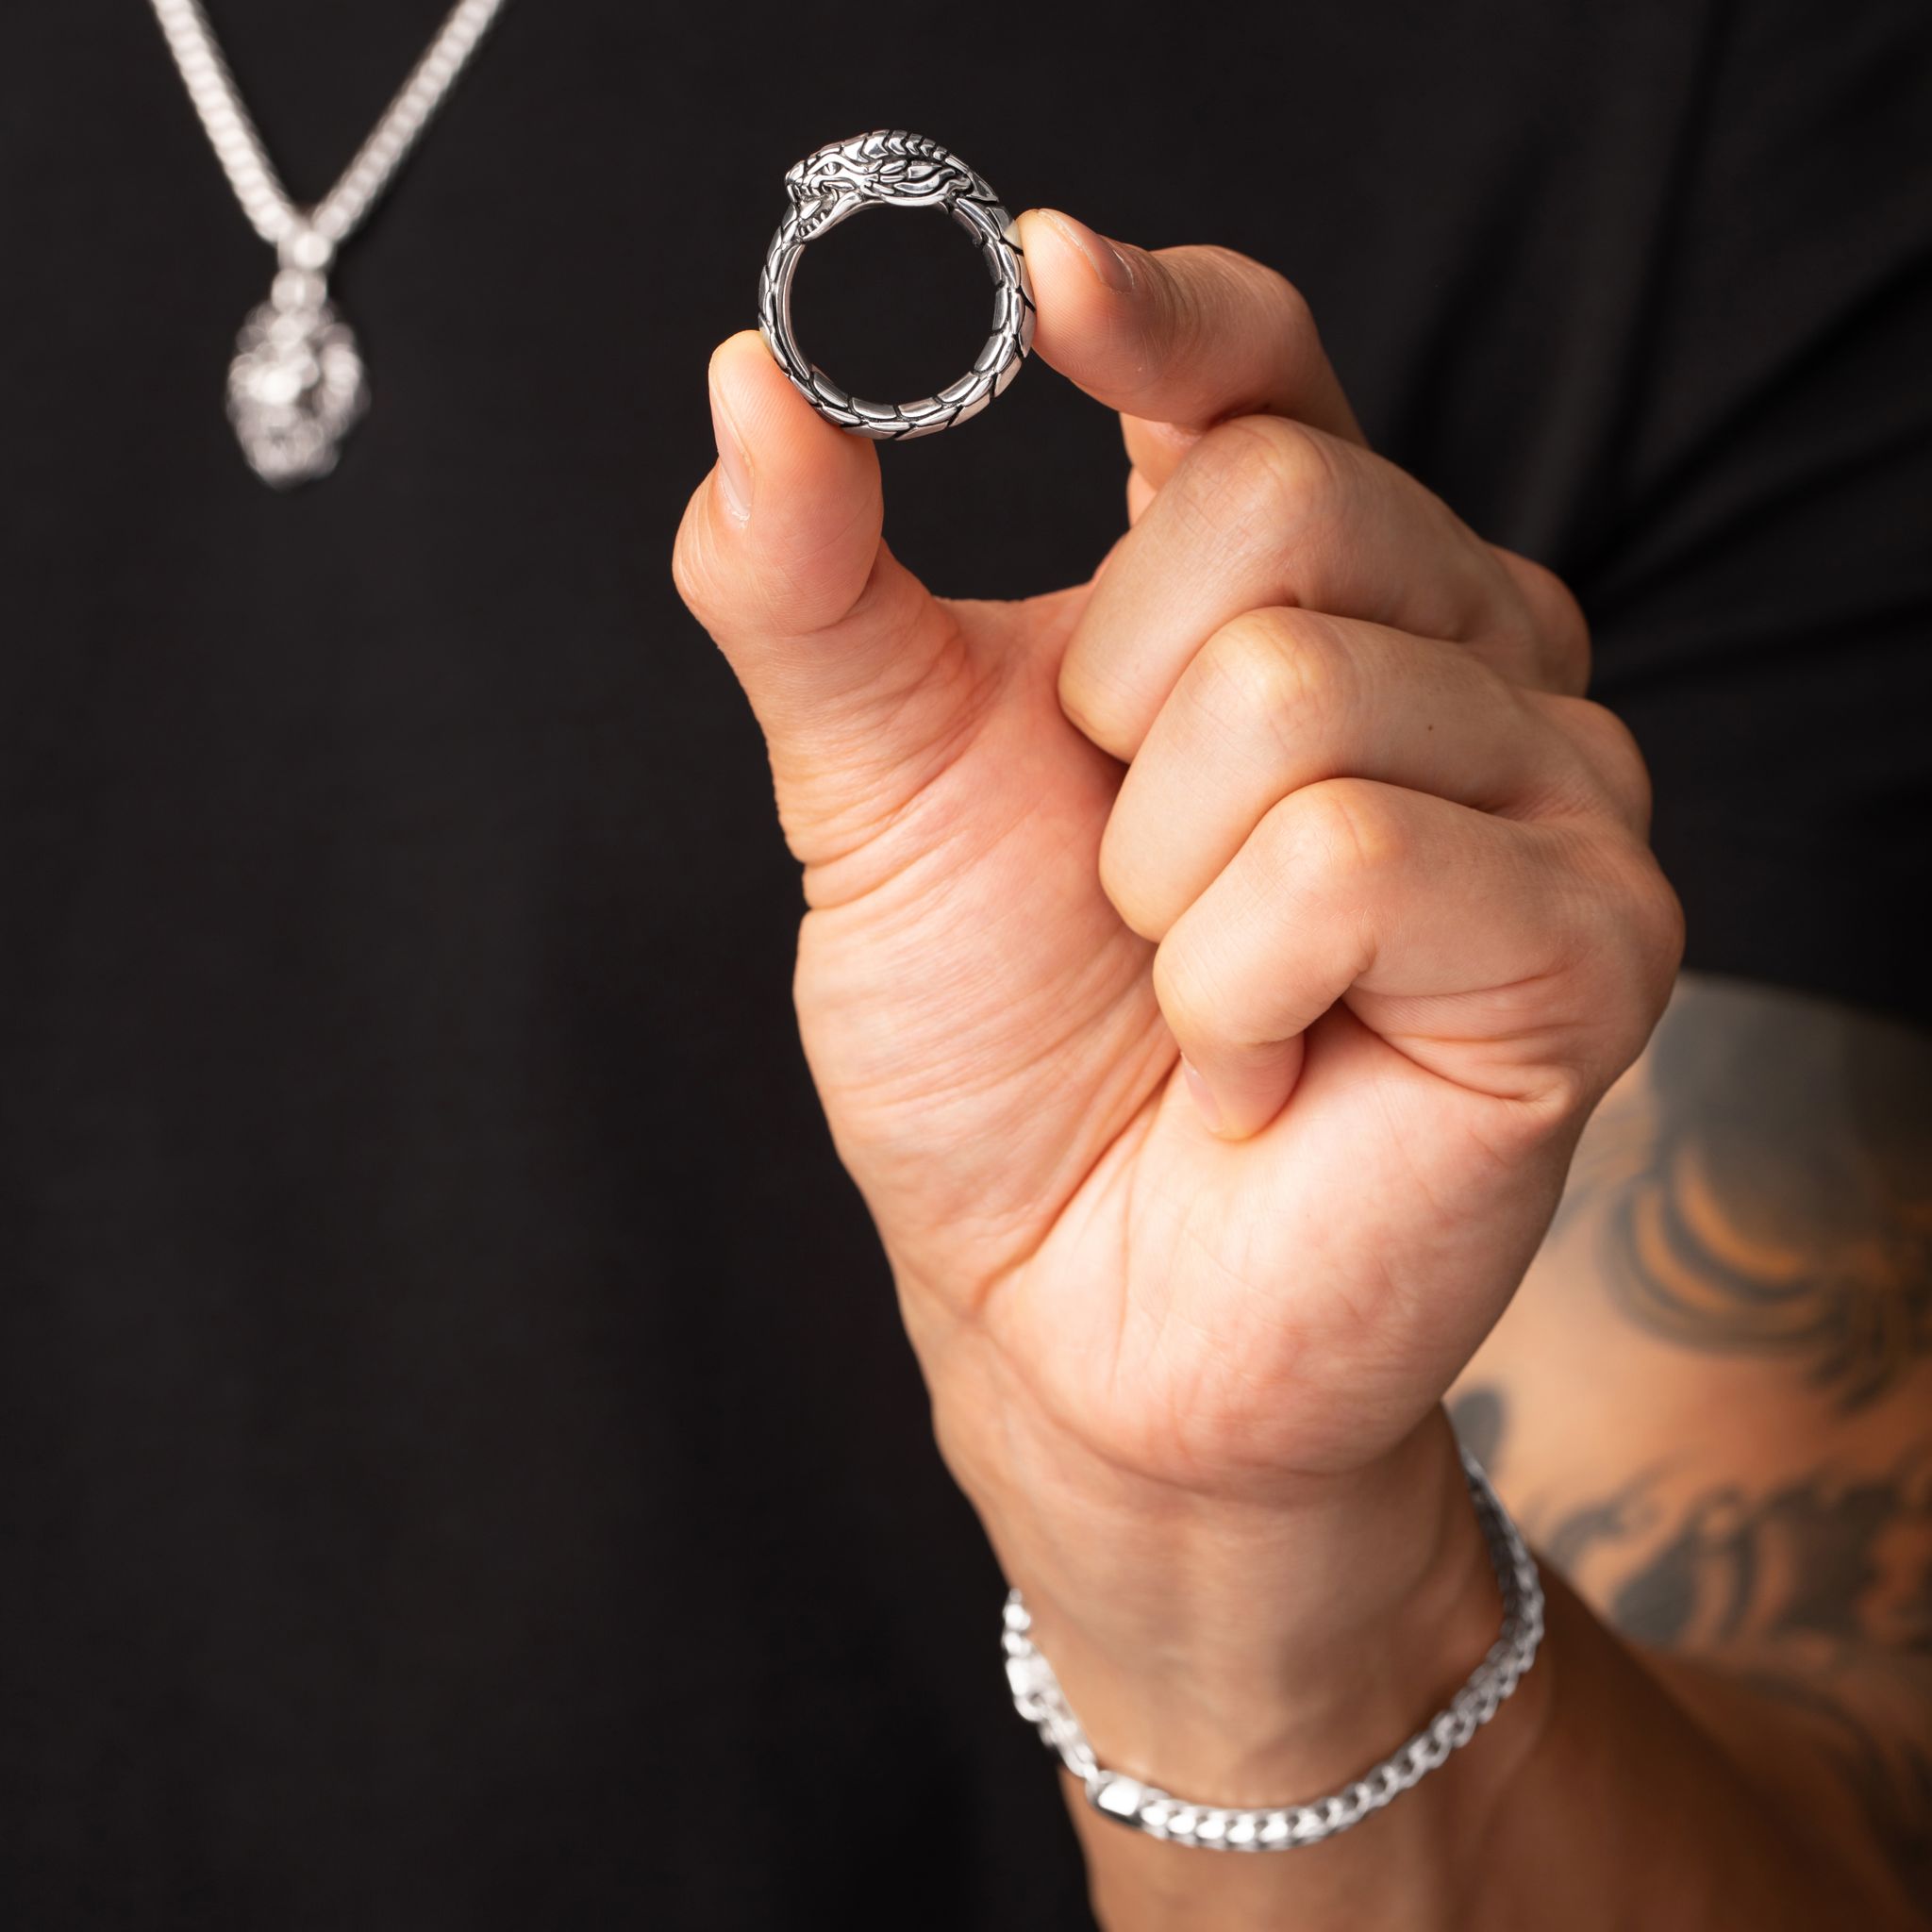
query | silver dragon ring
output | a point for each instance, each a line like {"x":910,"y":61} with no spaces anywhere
{"x":891,"y":168}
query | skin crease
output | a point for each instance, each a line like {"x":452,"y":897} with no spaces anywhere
{"x":1299,"y":785}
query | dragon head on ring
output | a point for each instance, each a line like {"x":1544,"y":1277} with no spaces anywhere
{"x":890,"y":165}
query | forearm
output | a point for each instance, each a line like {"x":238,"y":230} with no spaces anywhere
{"x":1606,"y":1793}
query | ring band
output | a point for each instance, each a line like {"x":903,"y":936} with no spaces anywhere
{"x":891,"y":168}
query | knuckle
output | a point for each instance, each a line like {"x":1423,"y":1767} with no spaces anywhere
{"x":1621,"y":943}
{"x":1263,"y":470}
{"x":1343,"y":833}
{"x":1663,"y":926}
{"x":1281,"y":666}
{"x":1643,"y":922}
{"x":1609,"y":750}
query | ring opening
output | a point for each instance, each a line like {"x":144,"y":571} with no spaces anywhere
{"x":893,"y":309}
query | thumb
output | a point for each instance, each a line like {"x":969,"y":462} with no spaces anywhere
{"x":1176,"y":338}
{"x":838,"y":647}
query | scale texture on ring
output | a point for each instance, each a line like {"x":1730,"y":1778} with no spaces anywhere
{"x":891,"y":168}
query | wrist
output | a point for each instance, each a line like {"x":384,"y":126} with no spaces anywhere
{"x":1243,"y":1651}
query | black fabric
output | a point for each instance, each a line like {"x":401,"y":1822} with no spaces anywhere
{"x":459,"y":1466}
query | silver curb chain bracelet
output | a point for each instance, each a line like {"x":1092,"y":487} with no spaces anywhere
{"x":1037,"y":1698}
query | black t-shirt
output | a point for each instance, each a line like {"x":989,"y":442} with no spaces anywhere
{"x":459,"y":1464}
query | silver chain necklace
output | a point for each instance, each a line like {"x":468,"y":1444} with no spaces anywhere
{"x":296,"y":385}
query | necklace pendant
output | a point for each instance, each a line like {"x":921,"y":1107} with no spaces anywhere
{"x":296,"y":385}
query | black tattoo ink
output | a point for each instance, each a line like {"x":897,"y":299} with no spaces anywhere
{"x":1771,"y":1193}
{"x":1817,"y":1591}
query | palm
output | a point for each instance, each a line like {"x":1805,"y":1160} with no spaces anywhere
{"x":985,"y":1035}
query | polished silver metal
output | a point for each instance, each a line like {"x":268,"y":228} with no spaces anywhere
{"x":1037,"y":1698}
{"x":296,"y":385}
{"x":891,"y":168}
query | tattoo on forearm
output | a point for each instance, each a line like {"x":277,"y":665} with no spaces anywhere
{"x":1822,"y":1558}
{"x":1769,"y":1192}
{"x":1817,"y":1589}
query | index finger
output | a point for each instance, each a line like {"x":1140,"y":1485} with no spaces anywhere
{"x":1176,"y":340}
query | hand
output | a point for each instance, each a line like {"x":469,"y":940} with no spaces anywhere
{"x":1298,"y":786}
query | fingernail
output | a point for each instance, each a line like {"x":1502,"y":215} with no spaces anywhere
{"x":1204,"y":1100}
{"x":1103,"y":258}
{"x":734,"y":467}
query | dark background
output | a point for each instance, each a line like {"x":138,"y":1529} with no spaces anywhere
{"x":459,"y":1465}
